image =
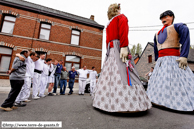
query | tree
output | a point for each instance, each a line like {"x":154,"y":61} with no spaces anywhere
{"x":136,"y":49}
{"x":139,"y":49}
{"x":133,"y":50}
{"x":191,"y":46}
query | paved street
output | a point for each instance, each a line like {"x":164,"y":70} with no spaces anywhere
{"x":76,"y":112}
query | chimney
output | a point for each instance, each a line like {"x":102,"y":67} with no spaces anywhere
{"x":92,"y":17}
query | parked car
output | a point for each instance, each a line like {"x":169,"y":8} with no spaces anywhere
{"x":99,"y":75}
{"x":87,"y":88}
{"x":144,"y":82}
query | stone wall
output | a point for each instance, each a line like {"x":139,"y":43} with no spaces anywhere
{"x":143,"y":66}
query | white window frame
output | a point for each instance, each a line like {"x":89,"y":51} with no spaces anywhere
{"x":73,"y":35}
{"x":8,"y":21}
{"x":45,"y":28}
{"x":8,"y":55}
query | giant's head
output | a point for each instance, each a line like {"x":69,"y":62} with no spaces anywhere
{"x":167,"y":17}
{"x":113,"y":10}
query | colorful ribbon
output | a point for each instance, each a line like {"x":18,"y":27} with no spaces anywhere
{"x":128,"y":77}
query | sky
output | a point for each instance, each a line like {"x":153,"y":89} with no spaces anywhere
{"x":139,"y":13}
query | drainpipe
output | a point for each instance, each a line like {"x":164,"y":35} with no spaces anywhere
{"x":34,"y":31}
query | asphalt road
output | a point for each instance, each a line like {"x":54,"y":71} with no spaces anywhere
{"x":76,"y":112}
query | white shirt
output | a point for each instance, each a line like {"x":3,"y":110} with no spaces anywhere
{"x":93,"y":75}
{"x":29,"y":67}
{"x":39,"y":64}
{"x":82,"y":74}
{"x":45,"y":69}
{"x":52,"y":70}
{"x":150,"y":73}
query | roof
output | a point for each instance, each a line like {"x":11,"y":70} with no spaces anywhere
{"x":135,"y":57}
{"x":152,"y":44}
{"x":191,"y":55}
{"x":50,"y":12}
{"x":149,"y":43}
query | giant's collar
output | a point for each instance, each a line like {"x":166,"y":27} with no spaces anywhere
{"x":112,"y":19}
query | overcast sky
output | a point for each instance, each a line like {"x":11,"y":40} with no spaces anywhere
{"x":139,"y":13}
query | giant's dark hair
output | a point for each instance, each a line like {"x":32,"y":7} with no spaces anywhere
{"x":167,"y":13}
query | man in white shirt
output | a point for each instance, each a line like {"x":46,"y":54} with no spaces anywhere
{"x":44,"y":77}
{"x":25,"y":91}
{"x":51,"y":78}
{"x":92,"y":76}
{"x":82,"y":79}
{"x":37,"y":76}
{"x":150,"y":73}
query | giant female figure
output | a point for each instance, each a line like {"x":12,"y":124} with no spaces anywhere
{"x":119,"y":88}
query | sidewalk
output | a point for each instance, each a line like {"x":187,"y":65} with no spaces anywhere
{"x":5,"y":87}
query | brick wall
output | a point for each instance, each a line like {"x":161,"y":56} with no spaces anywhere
{"x":142,"y":65}
{"x":27,"y":26}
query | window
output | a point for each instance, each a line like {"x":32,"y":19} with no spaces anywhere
{"x":5,"y":58}
{"x":45,"y":31}
{"x":75,"y":36}
{"x":150,"y":59}
{"x":8,"y":24}
{"x":72,"y":61}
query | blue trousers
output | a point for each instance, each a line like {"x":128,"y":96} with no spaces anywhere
{"x":57,"y":79}
{"x":63,"y":82}
{"x":71,"y":83}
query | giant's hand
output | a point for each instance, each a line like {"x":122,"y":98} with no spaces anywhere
{"x":124,"y":53}
{"x":182,"y":62}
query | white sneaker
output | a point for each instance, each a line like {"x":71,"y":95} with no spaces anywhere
{"x":35,"y":98}
{"x":42,"y":96}
{"x":27,"y":100}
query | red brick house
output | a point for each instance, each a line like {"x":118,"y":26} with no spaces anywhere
{"x":147,"y":60}
{"x":60,"y":35}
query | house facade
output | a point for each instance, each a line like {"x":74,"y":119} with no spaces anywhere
{"x":146,"y":60}
{"x":62,"y":36}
